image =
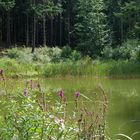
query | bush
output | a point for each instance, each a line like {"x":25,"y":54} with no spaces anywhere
{"x":13,"y":53}
{"x":138,"y":55}
{"x":75,"y":55}
{"x":107,"y":52}
{"x":44,"y":55}
{"x":66,"y":52}
{"x":128,"y":51}
{"x":55,"y":54}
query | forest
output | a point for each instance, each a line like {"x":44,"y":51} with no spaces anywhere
{"x":69,"y":69}
{"x":87,"y":26}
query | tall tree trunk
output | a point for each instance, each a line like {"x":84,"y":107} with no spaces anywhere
{"x":121,"y":22}
{"x":44,"y":30}
{"x":27,"y":30}
{"x":34,"y":28}
{"x":69,"y":37}
{"x":8,"y":29}
{"x":34,"y":33}
{"x":122,"y":37}
{"x":37,"y":36}
{"x":51,"y":31}
{"x":60,"y":42}
{"x":0,"y":36}
{"x":60,"y":26}
{"x":15,"y":30}
{"x":55,"y":32}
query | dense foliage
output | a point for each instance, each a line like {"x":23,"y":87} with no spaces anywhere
{"x":91,"y":27}
{"x":87,"y":26}
{"x":56,"y":62}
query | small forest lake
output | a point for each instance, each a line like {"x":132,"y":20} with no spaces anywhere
{"x":123,"y":114}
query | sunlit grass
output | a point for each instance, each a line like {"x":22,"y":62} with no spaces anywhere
{"x":48,"y":63}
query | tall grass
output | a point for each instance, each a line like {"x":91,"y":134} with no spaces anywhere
{"x":14,"y":68}
{"x":48,"y":62}
{"x":120,"y":69}
{"x":31,"y":115}
{"x":109,"y":68}
{"x":63,"y":69}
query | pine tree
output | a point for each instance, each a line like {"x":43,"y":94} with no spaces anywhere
{"x":8,"y":5}
{"x":129,"y":12}
{"x":91,"y":27}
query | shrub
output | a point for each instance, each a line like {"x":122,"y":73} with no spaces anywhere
{"x":66,"y":52}
{"x":128,"y":51}
{"x":137,"y":56}
{"x":35,"y":57}
{"x":55,"y":54}
{"x":45,"y":55}
{"x":107,"y":52}
{"x":75,"y":55}
{"x":13,"y":53}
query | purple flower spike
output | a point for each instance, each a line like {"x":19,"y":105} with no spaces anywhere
{"x":26,"y":92}
{"x":1,"y":72}
{"x":61,"y":94}
{"x":77,"y":94}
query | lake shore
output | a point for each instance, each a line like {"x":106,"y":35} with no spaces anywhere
{"x":112,"y":69}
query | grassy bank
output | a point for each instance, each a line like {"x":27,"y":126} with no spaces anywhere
{"x":13,"y":68}
{"x":52,"y":62}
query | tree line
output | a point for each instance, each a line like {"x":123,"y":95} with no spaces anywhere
{"x":86,"y":25}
